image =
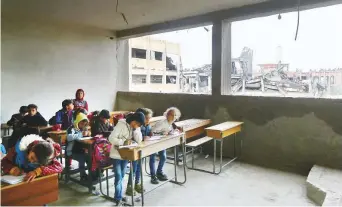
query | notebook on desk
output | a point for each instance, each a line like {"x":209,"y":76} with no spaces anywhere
{"x":85,"y":138}
{"x":10,"y":179}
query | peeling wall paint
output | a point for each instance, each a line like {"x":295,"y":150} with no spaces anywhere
{"x":285,"y":133}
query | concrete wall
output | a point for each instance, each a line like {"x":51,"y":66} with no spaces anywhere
{"x":44,"y":63}
{"x":290,"y":134}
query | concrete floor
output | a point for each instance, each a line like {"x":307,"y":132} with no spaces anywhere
{"x":239,"y":184}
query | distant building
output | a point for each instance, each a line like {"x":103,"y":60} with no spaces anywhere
{"x":154,"y":65}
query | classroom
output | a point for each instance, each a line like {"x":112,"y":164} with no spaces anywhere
{"x":108,"y":89}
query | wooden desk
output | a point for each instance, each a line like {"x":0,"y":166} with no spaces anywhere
{"x":145,"y":149}
{"x":58,"y":136}
{"x":41,"y":129}
{"x":40,"y":191}
{"x":193,"y":127}
{"x":114,"y":113}
{"x":219,"y":132}
{"x":223,"y":130}
{"x":6,"y":129}
{"x":88,"y":144}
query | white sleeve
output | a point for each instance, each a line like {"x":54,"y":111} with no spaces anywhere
{"x":115,"y":137}
{"x":157,"y":128}
{"x":137,"y":135}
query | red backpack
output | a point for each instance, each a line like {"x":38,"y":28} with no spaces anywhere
{"x":101,"y":152}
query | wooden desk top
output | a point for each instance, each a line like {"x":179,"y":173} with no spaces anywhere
{"x":5,"y":126}
{"x":150,"y":147}
{"x":40,"y":191}
{"x":57,"y":132}
{"x":118,"y":112}
{"x":223,"y":130}
{"x":190,"y":124}
{"x":41,"y":127}
{"x":224,"y":126}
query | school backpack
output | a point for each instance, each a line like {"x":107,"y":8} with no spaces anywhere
{"x":101,"y":152}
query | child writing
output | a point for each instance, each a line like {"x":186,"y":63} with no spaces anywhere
{"x":34,"y":156}
{"x":123,"y":134}
{"x":145,"y":132}
{"x":100,"y":124}
{"x":163,"y":127}
{"x":77,"y":132}
{"x":79,"y":101}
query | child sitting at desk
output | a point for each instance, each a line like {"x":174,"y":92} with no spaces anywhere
{"x":123,"y":135}
{"x":163,"y":127}
{"x":100,"y":124}
{"x":64,"y":117}
{"x":33,"y":156}
{"x":145,"y":132}
{"x":77,"y":132}
{"x":16,"y":118}
{"x":34,"y":118}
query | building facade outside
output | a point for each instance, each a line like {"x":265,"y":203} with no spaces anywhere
{"x":154,"y":65}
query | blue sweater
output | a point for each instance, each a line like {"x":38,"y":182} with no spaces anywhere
{"x":146,"y":130}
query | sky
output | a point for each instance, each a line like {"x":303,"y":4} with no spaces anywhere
{"x":318,"y":45}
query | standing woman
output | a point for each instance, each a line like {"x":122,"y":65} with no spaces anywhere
{"x":79,"y":102}
{"x":125,"y":132}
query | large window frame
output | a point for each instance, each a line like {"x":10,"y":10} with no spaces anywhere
{"x":221,"y":32}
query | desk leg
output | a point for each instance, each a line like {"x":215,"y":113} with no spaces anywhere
{"x":142,"y":180}
{"x":131,"y":180}
{"x":89,"y":166}
{"x":214,"y":156}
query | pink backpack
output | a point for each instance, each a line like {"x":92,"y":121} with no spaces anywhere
{"x":101,"y":153}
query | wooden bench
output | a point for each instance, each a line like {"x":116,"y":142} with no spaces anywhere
{"x":218,"y":133}
{"x":195,"y":144}
{"x":39,"y":192}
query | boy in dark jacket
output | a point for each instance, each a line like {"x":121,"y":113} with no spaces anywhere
{"x":34,"y":118}
{"x":64,"y":117}
{"x":100,"y":124}
{"x":16,"y":118}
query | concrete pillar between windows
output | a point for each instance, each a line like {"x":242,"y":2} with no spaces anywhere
{"x":221,"y":58}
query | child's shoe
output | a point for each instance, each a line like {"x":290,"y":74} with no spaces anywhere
{"x":129,"y":190}
{"x":154,"y":180}
{"x":138,"y":188}
{"x":162,"y":177}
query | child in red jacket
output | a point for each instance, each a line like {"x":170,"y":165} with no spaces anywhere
{"x":34,"y":156}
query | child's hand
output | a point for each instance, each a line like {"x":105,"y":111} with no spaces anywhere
{"x":86,"y":133}
{"x":166,"y":133}
{"x":30,"y":176}
{"x":146,"y":137}
{"x":15,"y":171}
{"x":128,"y":142}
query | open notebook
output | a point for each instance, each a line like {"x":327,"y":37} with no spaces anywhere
{"x":10,"y":179}
{"x":134,"y":144}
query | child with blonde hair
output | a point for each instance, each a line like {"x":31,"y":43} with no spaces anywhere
{"x":163,"y":127}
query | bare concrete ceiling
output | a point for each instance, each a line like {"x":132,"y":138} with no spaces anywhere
{"x":103,"y":14}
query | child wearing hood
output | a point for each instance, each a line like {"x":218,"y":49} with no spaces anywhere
{"x":34,"y":156}
{"x":77,"y":132}
{"x":125,"y":132}
{"x":79,"y":101}
{"x":163,"y":127}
